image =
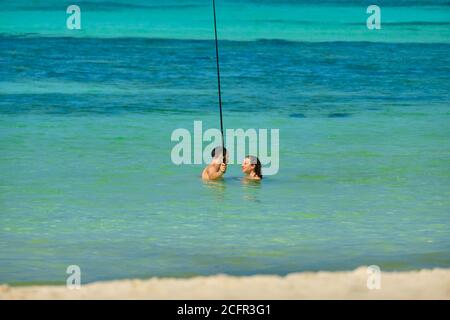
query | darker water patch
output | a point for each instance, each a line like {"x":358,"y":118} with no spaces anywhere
{"x":297,"y":115}
{"x":411,"y":23}
{"x":339,"y":115}
{"x":107,"y":6}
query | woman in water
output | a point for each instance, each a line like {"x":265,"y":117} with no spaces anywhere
{"x":251,"y":167}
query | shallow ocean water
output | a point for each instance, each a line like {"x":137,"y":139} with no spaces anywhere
{"x":87,"y":179}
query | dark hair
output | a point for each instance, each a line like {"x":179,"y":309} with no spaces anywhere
{"x":219,"y":150}
{"x":254,"y":160}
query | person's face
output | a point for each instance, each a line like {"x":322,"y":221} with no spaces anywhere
{"x":247,"y":166}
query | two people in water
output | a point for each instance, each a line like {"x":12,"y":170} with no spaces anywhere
{"x":251,"y":166}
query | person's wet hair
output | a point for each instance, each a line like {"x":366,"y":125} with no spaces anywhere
{"x":254,"y":160}
{"x":218,"y":150}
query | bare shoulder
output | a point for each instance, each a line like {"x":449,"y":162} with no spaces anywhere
{"x":206,"y":172}
{"x":205,"y":175}
{"x":253,"y":178}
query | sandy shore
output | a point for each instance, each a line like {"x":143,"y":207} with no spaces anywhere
{"x":424,"y":284}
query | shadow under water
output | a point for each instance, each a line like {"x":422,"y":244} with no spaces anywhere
{"x":217,"y":188}
{"x":251,"y":189}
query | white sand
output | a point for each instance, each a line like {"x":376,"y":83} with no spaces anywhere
{"x":424,"y":284}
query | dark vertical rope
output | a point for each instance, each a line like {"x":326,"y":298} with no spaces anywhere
{"x":218,"y":78}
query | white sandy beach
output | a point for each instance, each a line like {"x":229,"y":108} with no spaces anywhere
{"x":423,"y":284}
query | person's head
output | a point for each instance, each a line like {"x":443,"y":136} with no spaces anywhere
{"x":252,"y":164}
{"x":217,"y":154}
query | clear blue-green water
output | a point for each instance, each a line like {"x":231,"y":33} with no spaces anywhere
{"x":86,"y":118}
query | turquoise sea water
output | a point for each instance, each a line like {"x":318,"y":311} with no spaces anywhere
{"x":297,"y":20}
{"x":86,"y":118}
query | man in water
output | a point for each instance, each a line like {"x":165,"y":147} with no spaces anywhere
{"x":217,"y":168}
